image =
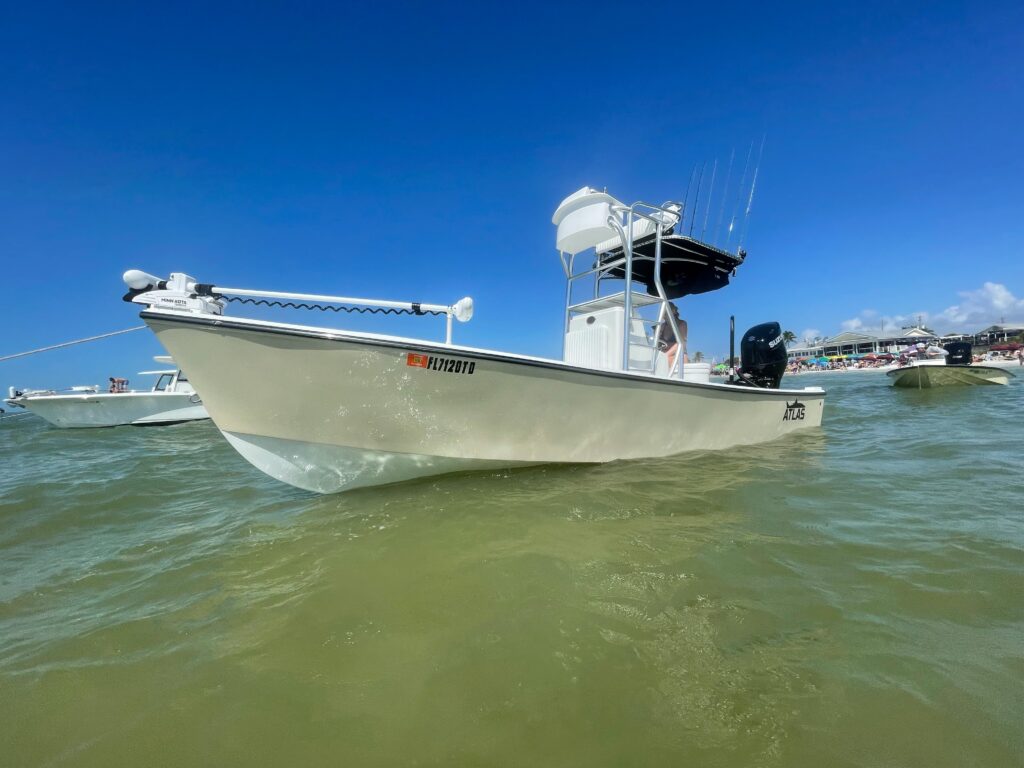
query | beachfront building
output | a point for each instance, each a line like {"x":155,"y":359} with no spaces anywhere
{"x":860,"y":343}
{"x":997,"y":334}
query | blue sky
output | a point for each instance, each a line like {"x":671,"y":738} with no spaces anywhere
{"x":416,"y":151}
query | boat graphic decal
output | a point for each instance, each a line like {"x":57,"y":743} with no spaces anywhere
{"x":441,"y":364}
{"x":794,"y":411}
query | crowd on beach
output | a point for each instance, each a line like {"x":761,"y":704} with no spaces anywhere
{"x":887,"y":360}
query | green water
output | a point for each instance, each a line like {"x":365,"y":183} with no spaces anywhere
{"x":852,"y":596}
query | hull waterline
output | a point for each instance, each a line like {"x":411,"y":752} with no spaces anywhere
{"x":329,"y":410}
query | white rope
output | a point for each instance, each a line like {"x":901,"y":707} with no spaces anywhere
{"x":71,"y":343}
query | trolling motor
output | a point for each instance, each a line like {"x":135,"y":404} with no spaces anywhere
{"x":762,"y":357}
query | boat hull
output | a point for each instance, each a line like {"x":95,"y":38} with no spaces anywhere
{"x":113,"y":409}
{"x":327,"y":411}
{"x":929,"y":376}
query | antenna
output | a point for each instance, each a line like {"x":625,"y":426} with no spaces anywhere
{"x":711,"y":191}
{"x":696,"y":197}
{"x":743,"y":181}
{"x":753,"y":185}
{"x":725,"y":194}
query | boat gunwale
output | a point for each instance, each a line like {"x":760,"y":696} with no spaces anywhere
{"x":440,"y":348}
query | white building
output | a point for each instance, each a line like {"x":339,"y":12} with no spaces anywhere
{"x":859,"y":343}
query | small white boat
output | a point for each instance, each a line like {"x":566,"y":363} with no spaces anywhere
{"x":951,"y":367}
{"x":171,"y":400}
{"x":328,"y":409}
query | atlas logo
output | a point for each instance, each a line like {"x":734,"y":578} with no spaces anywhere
{"x":794,"y":411}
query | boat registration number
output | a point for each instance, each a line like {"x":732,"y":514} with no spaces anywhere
{"x":441,"y":364}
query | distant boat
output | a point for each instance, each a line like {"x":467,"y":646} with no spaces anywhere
{"x":328,"y":410}
{"x":953,"y":368}
{"x":171,"y":400}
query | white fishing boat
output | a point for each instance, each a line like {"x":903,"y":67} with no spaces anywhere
{"x":950,"y":366}
{"x":331,"y":409}
{"x":171,"y":400}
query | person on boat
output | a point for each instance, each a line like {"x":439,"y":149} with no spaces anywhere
{"x":667,"y":341}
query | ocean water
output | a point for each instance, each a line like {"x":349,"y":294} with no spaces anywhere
{"x":851,"y":596}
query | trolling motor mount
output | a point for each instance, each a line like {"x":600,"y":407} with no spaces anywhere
{"x":179,"y":292}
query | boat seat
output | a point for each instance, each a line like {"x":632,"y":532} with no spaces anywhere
{"x":582,"y":220}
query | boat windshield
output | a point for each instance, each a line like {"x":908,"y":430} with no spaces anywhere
{"x":163,"y":382}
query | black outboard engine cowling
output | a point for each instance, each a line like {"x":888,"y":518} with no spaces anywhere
{"x":762,"y":356}
{"x":959,"y":353}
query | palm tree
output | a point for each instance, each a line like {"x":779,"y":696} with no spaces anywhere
{"x":788,"y":336}
{"x":698,"y":356}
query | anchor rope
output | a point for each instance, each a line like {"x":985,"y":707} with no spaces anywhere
{"x":70,"y":343}
{"x":329,"y":308}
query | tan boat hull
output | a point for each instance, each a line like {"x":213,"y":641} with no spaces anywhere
{"x":327,"y":411}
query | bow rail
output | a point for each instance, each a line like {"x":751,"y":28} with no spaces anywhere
{"x":183,"y":293}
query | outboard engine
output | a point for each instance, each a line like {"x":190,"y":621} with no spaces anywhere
{"x":762,"y":356}
{"x":959,"y":353}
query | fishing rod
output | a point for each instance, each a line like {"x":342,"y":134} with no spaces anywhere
{"x":686,"y":197}
{"x":753,"y":185}
{"x":725,"y":196}
{"x":739,"y":198}
{"x":696,"y":198}
{"x":711,"y":192}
